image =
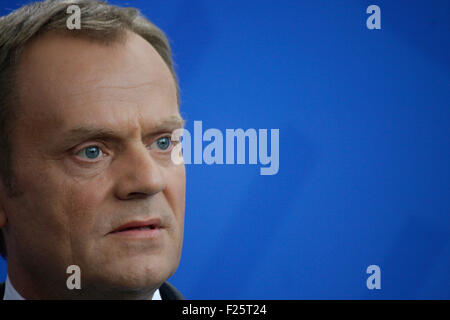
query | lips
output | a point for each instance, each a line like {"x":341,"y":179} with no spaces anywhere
{"x":151,"y":224}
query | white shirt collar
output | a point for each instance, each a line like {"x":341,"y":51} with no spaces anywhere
{"x":12,"y":294}
{"x":156,"y":295}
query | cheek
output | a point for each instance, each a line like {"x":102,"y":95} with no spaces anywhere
{"x":84,"y":202}
{"x":39,"y":219}
{"x":176,"y":186}
{"x":175,"y":193}
{"x":41,"y":193}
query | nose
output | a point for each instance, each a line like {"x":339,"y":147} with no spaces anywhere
{"x":140,"y":175}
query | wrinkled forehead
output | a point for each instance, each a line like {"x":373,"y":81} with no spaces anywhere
{"x":66,"y":81}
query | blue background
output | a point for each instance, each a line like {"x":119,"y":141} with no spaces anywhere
{"x":364,"y":147}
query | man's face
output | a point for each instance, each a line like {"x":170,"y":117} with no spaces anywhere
{"x":90,"y":154}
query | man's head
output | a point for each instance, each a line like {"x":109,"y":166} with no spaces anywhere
{"x":87,"y":117}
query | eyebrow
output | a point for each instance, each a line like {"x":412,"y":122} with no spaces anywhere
{"x":82,"y":133}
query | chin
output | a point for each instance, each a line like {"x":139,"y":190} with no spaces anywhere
{"x":138,"y":273}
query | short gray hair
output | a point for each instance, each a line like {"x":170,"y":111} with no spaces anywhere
{"x":100,"y":22}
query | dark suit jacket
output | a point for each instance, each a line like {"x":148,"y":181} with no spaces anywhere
{"x":167,"y":291}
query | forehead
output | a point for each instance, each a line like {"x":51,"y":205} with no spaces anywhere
{"x":65,"y":81}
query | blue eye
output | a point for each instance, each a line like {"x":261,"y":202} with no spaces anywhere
{"x":163,"y":143}
{"x":91,"y":152}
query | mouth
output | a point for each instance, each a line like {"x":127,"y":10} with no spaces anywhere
{"x":140,"y":229}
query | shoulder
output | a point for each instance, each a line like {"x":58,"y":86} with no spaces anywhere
{"x":169,"y":292}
